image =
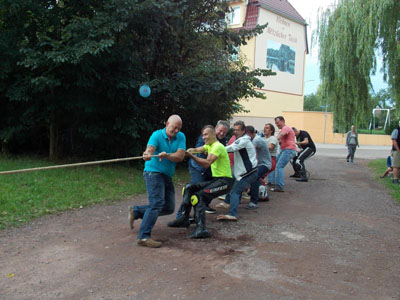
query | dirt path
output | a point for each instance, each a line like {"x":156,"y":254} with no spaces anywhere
{"x":335,"y":237}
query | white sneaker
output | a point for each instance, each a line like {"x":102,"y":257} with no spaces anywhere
{"x":222,"y":197}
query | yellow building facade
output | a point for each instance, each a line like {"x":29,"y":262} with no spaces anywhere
{"x":282,"y":47}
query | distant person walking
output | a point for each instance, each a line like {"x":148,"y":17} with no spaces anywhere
{"x":351,"y":143}
{"x":396,"y":154}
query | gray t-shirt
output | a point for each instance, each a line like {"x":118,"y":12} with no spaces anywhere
{"x":273,"y":140}
{"x":262,"y":152}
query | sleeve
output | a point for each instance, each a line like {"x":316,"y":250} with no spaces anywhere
{"x":218,"y":150}
{"x":237,"y":145}
{"x":394,"y":134}
{"x":153,"y":141}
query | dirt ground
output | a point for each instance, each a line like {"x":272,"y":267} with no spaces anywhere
{"x":335,"y":237}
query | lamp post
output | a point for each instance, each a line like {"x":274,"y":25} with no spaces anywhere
{"x":326,"y":117}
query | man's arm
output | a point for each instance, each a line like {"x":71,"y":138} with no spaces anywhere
{"x":271,"y":147}
{"x":177,"y":156}
{"x":237,"y":145}
{"x":148,"y":152}
{"x":304,"y":142}
{"x":281,"y":134}
{"x":204,"y":162}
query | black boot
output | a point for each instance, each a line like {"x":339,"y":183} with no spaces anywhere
{"x":201,"y":231}
{"x":183,"y":220}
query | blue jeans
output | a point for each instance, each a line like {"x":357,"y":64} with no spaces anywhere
{"x":255,"y":186}
{"x":237,"y":190}
{"x":161,"y":194}
{"x":281,"y":161}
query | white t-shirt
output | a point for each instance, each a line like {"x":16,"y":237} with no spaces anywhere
{"x":273,"y":140}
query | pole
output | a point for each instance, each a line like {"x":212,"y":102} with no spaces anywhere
{"x":326,"y":116}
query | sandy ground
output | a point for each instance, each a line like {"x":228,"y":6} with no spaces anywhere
{"x":335,"y":237}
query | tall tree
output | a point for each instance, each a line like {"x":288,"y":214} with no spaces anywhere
{"x":72,"y":69}
{"x":349,"y":36}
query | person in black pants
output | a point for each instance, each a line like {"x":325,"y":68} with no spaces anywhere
{"x":200,"y":194}
{"x":307,"y":149}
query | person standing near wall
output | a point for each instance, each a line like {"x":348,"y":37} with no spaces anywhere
{"x":396,"y":154}
{"x":352,"y":143}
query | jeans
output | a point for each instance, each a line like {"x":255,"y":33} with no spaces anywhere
{"x":236,"y":191}
{"x":255,"y":186}
{"x":352,"y":151}
{"x":281,"y":161}
{"x":161,"y":194}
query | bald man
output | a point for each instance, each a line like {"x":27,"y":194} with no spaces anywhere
{"x":170,"y":146}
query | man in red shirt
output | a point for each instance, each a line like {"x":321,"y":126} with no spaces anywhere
{"x":287,"y":142}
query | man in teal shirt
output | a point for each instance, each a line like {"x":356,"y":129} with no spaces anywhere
{"x":165,"y":148}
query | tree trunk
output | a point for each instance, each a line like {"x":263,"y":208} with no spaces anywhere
{"x":53,"y":136}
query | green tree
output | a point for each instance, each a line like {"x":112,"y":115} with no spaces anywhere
{"x":349,"y":36}
{"x":71,"y":70}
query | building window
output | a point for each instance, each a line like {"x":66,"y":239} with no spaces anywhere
{"x":234,"y":15}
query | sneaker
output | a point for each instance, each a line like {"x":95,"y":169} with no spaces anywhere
{"x":222,"y":197}
{"x":395,"y":181}
{"x":149,"y":243}
{"x":251,"y":205}
{"x":226,"y":218}
{"x":277,"y":189}
{"x":131,"y":217}
{"x":210,"y":210}
{"x":295,"y":175}
{"x":222,"y":205}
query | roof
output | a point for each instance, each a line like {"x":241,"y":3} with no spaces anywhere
{"x":251,"y":15}
{"x":283,"y":8}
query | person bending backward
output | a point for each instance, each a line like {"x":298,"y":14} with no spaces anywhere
{"x":170,"y":145}
{"x":288,"y":150}
{"x":306,"y":150}
{"x":264,"y":164}
{"x":197,"y":172}
{"x":244,"y":168}
{"x":200,"y":194}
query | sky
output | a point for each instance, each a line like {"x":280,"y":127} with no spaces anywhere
{"x":308,"y":9}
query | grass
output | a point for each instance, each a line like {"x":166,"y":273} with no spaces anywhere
{"x":26,"y":196}
{"x":374,"y":131}
{"x":379,"y":166}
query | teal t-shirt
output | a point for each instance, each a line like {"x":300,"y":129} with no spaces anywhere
{"x":159,"y":140}
{"x":221,"y":167}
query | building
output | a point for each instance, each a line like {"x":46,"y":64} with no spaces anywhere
{"x":282,"y":47}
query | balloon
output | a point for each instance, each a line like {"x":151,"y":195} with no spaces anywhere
{"x":144,"y":91}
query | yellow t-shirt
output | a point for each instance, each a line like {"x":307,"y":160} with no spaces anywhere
{"x":221,"y":167}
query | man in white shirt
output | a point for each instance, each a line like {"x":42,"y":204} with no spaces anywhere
{"x":244,"y":168}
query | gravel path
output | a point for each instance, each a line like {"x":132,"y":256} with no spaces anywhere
{"x":335,"y":237}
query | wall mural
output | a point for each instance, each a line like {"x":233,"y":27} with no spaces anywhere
{"x":280,"y":57}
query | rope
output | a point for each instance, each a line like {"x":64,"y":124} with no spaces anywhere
{"x":74,"y":165}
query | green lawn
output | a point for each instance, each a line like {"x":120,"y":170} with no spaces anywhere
{"x":374,"y":131}
{"x":25,"y":196}
{"x":379,"y":166}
